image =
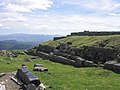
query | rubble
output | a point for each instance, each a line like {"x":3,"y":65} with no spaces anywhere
{"x":27,"y":79}
{"x":39,"y":67}
{"x":2,"y":74}
{"x":5,"y":81}
{"x":6,"y":53}
{"x":2,"y":86}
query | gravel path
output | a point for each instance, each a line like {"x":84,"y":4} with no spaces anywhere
{"x":9,"y":84}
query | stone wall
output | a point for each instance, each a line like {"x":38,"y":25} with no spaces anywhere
{"x":87,"y":33}
{"x":57,"y":38}
{"x":45,"y":48}
{"x":56,"y":55}
{"x":75,"y":61}
{"x":97,"y":54}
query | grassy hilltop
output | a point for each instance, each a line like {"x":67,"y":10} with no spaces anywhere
{"x":112,"y":41}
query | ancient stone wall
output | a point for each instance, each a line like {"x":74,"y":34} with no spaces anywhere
{"x":57,"y":38}
{"x":75,"y":61}
{"x":97,"y":54}
{"x":78,"y":57}
{"x":87,"y":33}
{"x":43,"y":55}
{"x":45,"y":48}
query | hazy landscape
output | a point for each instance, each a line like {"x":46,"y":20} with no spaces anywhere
{"x":22,"y":41}
{"x":59,"y":45}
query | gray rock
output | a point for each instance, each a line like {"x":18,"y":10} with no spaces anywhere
{"x":38,"y":65}
{"x":27,"y":77}
{"x":89,"y":64}
{"x":116,"y":68}
{"x":109,"y":65}
{"x":31,"y":87}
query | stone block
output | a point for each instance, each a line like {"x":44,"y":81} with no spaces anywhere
{"x":109,"y":65}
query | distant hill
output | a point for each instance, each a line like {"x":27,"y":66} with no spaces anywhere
{"x":27,"y":37}
{"x":22,"y":41}
{"x":12,"y":45}
{"x":111,"y":41}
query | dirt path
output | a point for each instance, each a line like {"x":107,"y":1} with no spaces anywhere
{"x":9,"y":84}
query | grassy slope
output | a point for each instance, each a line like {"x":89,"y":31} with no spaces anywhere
{"x":64,"y":77}
{"x":112,"y":41}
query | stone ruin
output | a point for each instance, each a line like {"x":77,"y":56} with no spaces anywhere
{"x":61,"y":54}
{"x":8,"y":54}
{"x":88,"y":33}
{"x":39,"y":67}
{"x":66,"y":53}
{"x":27,"y":80}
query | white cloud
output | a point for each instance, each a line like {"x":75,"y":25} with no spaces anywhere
{"x":114,"y":14}
{"x":98,"y":5}
{"x":1,"y":25}
{"x":8,"y":16}
{"x":64,"y":24}
{"x":26,"y":5}
{"x":48,"y":23}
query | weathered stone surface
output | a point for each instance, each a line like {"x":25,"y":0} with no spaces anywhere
{"x":61,"y":59}
{"x":44,"y":69}
{"x":97,"y":54}
{"x":2,"y":74}
{"x":27,"y":77}
{"x":43,"y":55}
{"x":79,"y":61}
{"x":38,"y":65}
{"x":116,"y":68}
{"x":37,"y":68}
{"x":109,"y":65}
{"x":31,"y":52}
{"x":45,"y":48}
{"x":31,"y":87}
{"x":41,"y":87}
{"x":9,"y":54}
{"x":41,"y":69}
{"x":89,"y":64}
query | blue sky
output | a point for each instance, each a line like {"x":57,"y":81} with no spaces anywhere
{"x":58,"y":16}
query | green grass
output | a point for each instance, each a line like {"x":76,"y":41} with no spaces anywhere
{"x":111,"y":41}
{"x":64,"y":77}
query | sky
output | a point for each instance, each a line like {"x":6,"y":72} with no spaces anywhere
{"x":58,"y":16}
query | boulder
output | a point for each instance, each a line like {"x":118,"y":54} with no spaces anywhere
{"x":41,"y":69}
{"x":37,"y":68}
{"x":116,"y":68}
{"x":109,"y":65}
{"x":27,"y":77}
{"x":38,"y":65}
